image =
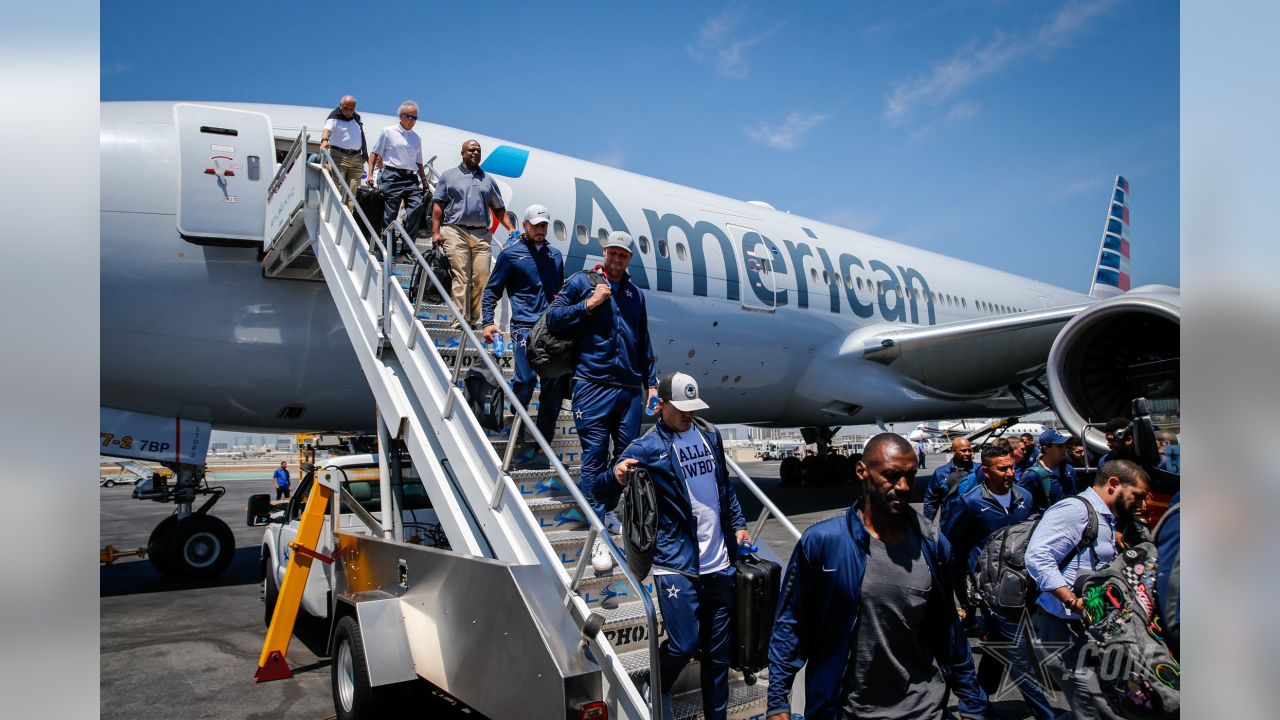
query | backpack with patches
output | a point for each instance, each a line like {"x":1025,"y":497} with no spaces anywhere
{"x":550,"y":354}
{"x":1003,"y":582}
{"x":1138,"y":675}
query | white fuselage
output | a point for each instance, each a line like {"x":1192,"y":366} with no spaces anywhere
{"x":196,"y":330}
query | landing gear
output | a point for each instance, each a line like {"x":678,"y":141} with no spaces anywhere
{"x":190,"y":544}
{"x":789,"y":472}
{"x":827,"y":467}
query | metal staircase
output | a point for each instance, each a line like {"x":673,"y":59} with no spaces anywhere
{"x":413,"y":357}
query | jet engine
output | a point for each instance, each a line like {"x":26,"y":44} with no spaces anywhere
{"x":1120,"y":349}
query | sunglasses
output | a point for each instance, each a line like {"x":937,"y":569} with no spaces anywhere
{"x":407,"y":115}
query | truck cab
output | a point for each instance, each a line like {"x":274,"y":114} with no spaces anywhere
{"x":360,"y":479}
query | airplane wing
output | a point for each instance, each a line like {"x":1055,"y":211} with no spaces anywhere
{"x":968,"y":357}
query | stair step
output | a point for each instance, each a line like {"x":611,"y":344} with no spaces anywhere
{"x":628,"y":632}
{"x":542,"y":483}
{"x":745,"y":701}
{"x":557,"y":513}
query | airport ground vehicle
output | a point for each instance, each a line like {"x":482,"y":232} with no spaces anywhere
{"x":359,"y":478}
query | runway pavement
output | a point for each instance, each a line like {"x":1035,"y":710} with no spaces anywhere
{"x":174,"y":649}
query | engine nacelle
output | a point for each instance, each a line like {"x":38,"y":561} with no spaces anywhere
{"x":1123,"y":348}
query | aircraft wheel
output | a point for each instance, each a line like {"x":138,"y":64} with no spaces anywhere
{"x":811,"y":470}
{"x":200,"y":547}
{"x":789,"y":471}
{"x":353,"y":697}
{"x":158,"y":544}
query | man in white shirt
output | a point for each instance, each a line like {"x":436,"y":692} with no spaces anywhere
{"x":343,"y":137}
{"x":700,"y":526}
{"x":398,"y":152}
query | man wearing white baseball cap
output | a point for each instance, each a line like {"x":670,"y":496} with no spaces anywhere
{"x":613,"y":362}
{"x":700,"y":526}
{"x":530,"y":272}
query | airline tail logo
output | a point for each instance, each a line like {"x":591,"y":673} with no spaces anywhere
{"x":1111,"y":274}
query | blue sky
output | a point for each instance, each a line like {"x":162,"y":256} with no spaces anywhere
{"x":989,"y":130}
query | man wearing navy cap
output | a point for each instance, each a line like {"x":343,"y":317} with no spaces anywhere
{"x":1051,"y":478}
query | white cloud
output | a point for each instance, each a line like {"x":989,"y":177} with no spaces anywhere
{"x":788,"y":134}
{"x":976,"y":61}
{"x":613,"y":157}
{"x":723,"y":41}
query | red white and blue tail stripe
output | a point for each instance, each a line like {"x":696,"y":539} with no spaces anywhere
{"x":1111,"y":274}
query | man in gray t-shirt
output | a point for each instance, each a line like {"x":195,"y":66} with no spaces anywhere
{"x":460,"y":222}
{"x":892,"y":673}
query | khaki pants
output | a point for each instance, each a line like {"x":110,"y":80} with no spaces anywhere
{"x":351,"y":166}
{"x":468,"y":251}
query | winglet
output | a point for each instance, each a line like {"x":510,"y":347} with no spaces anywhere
{"x":1111,"y":272}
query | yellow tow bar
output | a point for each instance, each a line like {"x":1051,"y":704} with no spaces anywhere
{"x":110,"y":554}
{"x":271,"y":663}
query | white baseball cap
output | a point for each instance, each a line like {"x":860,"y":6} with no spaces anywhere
{"x":681,"y":391}
{"x":537,"y":214}
{"x":618,"y":239}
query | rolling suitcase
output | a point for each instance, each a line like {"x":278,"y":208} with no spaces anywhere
{"x":755,"y":602}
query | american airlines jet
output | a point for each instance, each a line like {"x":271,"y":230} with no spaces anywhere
{"x":785,"y":321}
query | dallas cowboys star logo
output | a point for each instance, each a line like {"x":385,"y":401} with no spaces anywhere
{"x":1042,"y":654}
{"x":577,"y":414}
{"x":629,"y":293}
{"x":673,"y":592}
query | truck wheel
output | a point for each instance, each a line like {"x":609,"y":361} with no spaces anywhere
{"x":158,"y":545}
{"x":109,"y":483}
{"x":353,"y":697}
{"x":200,"y":547}
{"x":270,"y":591}
{"x":789,"y":471}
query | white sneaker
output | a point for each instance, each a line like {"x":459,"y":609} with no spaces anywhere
{"x":601,"y":560}
{"x":612,"y":523}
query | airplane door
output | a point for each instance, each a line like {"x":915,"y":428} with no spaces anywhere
{"x":760,"y":293}
{"x":226,"y":160}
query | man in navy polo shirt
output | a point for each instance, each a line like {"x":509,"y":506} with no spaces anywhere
{"x":1051,"y":478}
{"x":530,"y":272}
{"x":700,"y":526}
{"x":614,"y":362}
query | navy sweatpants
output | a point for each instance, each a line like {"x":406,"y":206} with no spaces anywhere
{"x":697,"y":613}
{"x":603,"y":413}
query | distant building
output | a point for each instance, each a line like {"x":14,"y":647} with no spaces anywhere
{"x":284,"y":444}
{"x":219,"y":446}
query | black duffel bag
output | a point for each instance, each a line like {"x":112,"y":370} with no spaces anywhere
{"x":639,"y":520}
{"x":373,"y":203}
{"x":438,"y":261}
{"x":550,"y":354}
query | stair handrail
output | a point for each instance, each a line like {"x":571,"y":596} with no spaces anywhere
{"x":596,"y":526}
{"x":768,"y":507}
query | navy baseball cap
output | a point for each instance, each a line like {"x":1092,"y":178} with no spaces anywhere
{"x":1053,"y":437}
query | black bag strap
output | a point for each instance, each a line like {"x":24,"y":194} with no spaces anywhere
{"x":1087,"y":539}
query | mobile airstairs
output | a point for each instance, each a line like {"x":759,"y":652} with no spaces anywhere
{"x":512,"y":619}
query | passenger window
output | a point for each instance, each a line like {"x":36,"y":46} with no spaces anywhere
{"x":813,"y":274}
{"x":644,"y":245}
{"x":559,"y":230}
{"x":602,"y":234}
{"x":662,"y":248}
{"x":964,"y":303}
{"x":826,"y":279}
{"x":680,"y":252}
{"x":581,"y":232}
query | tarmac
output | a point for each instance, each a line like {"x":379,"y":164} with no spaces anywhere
{"x":176,"y":649}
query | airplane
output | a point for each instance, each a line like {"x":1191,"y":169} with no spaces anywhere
{"x":785,"y":321}
{"x":946,"y":430}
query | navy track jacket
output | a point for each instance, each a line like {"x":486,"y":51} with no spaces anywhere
{"x":677,"y":547}
{"x":530,"y":275}
{"x":818,"y":612}
{"x":614,"y":349}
